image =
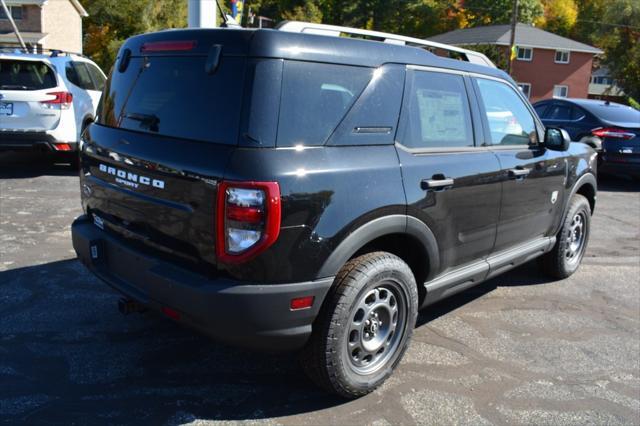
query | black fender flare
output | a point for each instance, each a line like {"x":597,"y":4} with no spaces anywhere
{"x":586,"y":178}
{"x":385,"y":225}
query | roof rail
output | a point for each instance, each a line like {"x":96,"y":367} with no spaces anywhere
{"x":338,"y":31}
{"x":40,"y":51}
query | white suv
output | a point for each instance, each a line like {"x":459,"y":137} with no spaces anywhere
{"x":46,"y":101}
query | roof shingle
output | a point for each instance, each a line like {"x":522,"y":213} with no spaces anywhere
{"x":526,"y":35}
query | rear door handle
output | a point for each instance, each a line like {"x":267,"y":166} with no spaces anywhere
{"x":516,"y":173}
{"x":436,"y":183}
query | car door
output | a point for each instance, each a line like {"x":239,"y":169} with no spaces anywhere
{"x":98,"y":79}
{"x":533,"y":177}
{"x":565,"y":116}
{"x":451,"y":184}
{"x":81,"y":87}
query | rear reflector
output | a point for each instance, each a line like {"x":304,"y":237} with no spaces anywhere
{"x":171,"y":313}
{"x":62,"y":147}
{"x":168,"y":46}
{"x":301,"y":303}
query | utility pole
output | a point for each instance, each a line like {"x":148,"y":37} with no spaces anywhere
{"x":514,"y":22}
{"x":13,"y":24}
{"x":202,"y":14}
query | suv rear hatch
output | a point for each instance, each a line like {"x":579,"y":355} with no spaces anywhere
{"x":30,"y":100}
{"x":167,"y":124}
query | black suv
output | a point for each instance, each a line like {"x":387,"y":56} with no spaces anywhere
{"x":286,"y":191}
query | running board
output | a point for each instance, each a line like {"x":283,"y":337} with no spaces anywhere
{"x":468,"y":276}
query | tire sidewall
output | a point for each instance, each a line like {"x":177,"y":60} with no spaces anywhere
{"x":377,"y":274}
{"x":577,"y":205}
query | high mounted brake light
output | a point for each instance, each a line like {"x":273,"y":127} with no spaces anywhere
{"x":168,"y":46}
{"x":612,"y":132}
{"x":247,"y":219}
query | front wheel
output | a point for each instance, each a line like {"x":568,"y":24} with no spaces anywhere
{"x":364,"y":326}
{"x":565,"y":257}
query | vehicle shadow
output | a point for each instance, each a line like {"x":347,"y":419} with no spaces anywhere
{"x":66,"y":349}
{"x":21,"y":165}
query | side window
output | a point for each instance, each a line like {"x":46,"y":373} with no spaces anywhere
{"x":540,"y":109}
{"x":315,"y":98}
{"x":559,"y":112}
{"x":97,"y":77}
{"x":436,"y":113}
{"x":78,"y":74}
{"x":509,"y":119}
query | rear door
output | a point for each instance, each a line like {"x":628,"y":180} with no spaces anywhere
{"x":451,"y":184}
{"x":533,"y":177}
{"x":25,"y":86}
{"x":152,"y":161}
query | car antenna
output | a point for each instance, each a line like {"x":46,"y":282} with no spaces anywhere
{"x":224,"y":17}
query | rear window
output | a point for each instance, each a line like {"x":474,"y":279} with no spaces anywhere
{"x":26,"y":75}
{"x":175,"y":96}
{"x":315,"y":98}
{"x":619,"y":113}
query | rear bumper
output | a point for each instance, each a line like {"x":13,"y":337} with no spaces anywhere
{"x":33,"y":141}
{"x":251,"y":315}
{"x":619,"y":167}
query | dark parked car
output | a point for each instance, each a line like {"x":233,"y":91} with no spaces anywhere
{"x":610,"y":128}
{"x":286,"y":191}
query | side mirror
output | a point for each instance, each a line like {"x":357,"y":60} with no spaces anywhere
{"x":556,"y":139}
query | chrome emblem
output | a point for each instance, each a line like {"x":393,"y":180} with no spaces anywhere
{"x":129,"y":179}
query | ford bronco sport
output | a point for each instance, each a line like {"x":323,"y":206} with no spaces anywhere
{"x":286,"y":191}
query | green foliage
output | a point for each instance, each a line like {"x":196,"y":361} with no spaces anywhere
{"x":492,"y":12}
{"x":634,"y":104}
{"x":622,"y":44}
{"x":111,"y":22}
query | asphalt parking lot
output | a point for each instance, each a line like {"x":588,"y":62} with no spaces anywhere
{"x":520,"y":349}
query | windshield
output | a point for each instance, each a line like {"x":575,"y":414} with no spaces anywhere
{"x":25,"y":75}
{"x":175,"y":96}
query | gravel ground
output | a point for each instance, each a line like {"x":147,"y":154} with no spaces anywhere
{"x":520,"y":349}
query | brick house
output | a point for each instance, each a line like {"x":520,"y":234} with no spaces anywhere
{"x":546,"y":64}
{"x":44,"y":24}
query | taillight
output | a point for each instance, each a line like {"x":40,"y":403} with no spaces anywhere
{"x":612,"y":132}
{"x":64,"y":99}
{"x":248,"y":219}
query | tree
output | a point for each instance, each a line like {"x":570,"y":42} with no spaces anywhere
{"x":559,"y":16}
{"x":492,"y":12}
{"x":110,"y":23}
{"x":621,"y":43}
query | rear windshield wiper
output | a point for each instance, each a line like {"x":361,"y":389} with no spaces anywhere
{"x":13,"y":87}
{"x":147,"y":121}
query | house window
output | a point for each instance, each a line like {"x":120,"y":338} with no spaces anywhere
{"x":16,"y":12}
{"x":562,"y":56}
{"x":602,"y":80}
{"x":526,"y":89}
{"x":525,"y":54}
{"x":560,"y":91}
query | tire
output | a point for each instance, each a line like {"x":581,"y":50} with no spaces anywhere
{"x":565,"y":257}
{"x":355,"y":345}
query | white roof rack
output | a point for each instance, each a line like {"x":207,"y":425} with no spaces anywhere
{"x":338,"y":31}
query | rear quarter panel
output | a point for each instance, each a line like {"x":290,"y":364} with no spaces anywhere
{"x":327,"y":193}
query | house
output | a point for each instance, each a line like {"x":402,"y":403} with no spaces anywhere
{"x":545,"y":65}
{"x":604,"y":87}
{"x":44,"y":24}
